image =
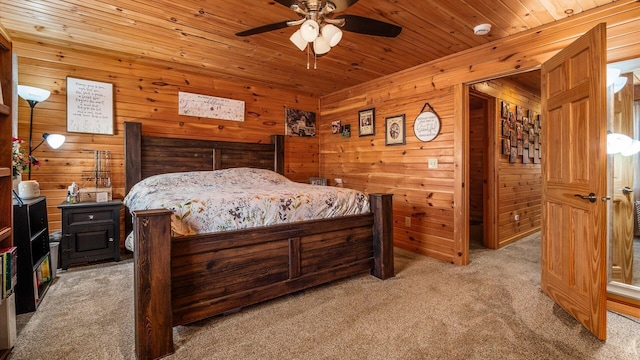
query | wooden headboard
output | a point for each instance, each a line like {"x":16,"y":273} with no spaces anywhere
{"x":151,"y":155}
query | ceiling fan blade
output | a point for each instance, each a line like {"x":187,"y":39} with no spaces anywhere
{"x":264,"y":28}
{"x":339,"y":4}
{"x":367,"y":26}
{"x":287,"y":3}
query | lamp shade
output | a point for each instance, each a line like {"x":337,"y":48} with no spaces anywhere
{"x":612,"y":75}
{"x":309,"y":30}
{"x":54,"y":140}
{"x":617,"y":142}
{"x":619,"y":83}
{"x":298,"y":41}
{"x":31,"y":93}
{"x":321,"y":46}
{"x":332,"y":34}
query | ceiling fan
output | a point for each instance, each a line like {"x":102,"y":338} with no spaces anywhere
{"x":321,"y":27}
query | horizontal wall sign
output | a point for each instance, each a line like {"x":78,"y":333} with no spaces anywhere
{"x":210,"y":107}
{"x":89,"y":106}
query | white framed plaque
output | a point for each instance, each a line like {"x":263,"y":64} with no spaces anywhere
{"x":89,"y":106}
{"x":427,"y":125}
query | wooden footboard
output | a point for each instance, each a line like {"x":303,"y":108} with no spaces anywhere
{"x":210,"y":274}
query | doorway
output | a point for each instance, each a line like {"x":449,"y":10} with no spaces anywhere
{"x":479,"y":211}
{"x":504,"y":159}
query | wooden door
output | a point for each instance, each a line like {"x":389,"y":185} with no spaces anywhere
{"x":574,"y":166}
{"x":623,"y":173}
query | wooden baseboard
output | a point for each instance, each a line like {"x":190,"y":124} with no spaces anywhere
{"x":623,"y":305}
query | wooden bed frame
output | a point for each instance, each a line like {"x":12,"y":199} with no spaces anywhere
{"x":210,"y":274}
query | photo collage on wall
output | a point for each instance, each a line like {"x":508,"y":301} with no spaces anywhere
{"x":521,"y":134}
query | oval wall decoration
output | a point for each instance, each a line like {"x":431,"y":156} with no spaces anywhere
{"x":427,"y":125}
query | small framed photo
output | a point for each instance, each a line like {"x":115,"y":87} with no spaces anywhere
{"x":367,"y":122}
{"x":513,"y":155}
{"x":506,"y":147}
{"x":335,"y":127}
{"x":519,"y":113}
{"x":318,"y":181}
{"x":345,"y":130}
{"x":395,"y":130}
{"x":505,"y":109}
{"x":506,"y":127}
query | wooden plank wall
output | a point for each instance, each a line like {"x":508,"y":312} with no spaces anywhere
{"x":518,"y":184}
{"x":434,"y":200}
{"x":478,"y":120}
{"x":144,"y":92}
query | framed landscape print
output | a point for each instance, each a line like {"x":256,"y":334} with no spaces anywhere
{"x":367,"y":122}
{"x":395,"y":130}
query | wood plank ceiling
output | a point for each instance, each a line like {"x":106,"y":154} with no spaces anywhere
{"x":200,"y":34}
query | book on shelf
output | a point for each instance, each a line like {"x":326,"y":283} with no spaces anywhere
{"x":9,"y":269}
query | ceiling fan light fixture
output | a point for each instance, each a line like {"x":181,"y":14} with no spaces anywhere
{"x":634,"y":148}
{"x":612,"y":75}
{"x":332,"y":34}
{"x":309,"y":30}
{"x":298,"y":41}
{"x":321,"y":45}
{"x":619,"y":83}
{"x":617,"y":142}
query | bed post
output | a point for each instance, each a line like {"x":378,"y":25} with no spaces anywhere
{"x":382,"y":209}
{"x":278,"y":155}
{"x":132,"y":159}
{"x":152,"y":284}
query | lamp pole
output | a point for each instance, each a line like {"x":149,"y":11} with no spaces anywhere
{"x":32,"y":104}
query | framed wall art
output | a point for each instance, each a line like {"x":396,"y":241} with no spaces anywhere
{"x":367,"y":122}
{"x":335,"y":127}
{"x":318,"y":181}
{"x":345,"y":131}
{"x":426,"y":127}
{"x":395,"y":130}
{"x":300,"y":122}
{"x":505,"y":109}
{"x":89,"y":106}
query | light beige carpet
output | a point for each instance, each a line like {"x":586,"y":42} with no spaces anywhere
{"x":491,"y":309}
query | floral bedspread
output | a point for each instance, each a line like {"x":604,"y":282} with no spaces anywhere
{"x":239,"y":198}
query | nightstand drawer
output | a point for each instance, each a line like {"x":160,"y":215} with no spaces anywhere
{"x":90,"y":216}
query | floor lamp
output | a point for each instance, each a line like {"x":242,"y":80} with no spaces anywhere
{"x":34,"y":96}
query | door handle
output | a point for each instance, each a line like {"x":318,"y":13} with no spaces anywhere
{"x":627,"y":190}
{"x":591,"y":197}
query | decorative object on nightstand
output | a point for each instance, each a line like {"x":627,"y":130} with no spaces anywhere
{"x":90,"y":232}
{"x":97,"y":182}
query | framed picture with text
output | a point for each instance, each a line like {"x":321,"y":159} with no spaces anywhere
{"x":367,"y":122}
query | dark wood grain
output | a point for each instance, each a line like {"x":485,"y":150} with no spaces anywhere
{"x":214,"y":273}
{"x":152,"y":283}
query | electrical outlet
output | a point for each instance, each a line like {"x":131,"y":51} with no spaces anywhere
{"x":338,"y":181}
{"x":516,"y":217}
{"x":433,"y":163}
{"x":407,"y":221}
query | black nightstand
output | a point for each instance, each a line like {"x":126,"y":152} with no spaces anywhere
{"x":90,"y":231}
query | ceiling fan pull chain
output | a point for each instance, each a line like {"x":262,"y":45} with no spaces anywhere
{"x":315,"y":60}
{"x":307,"y":57}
